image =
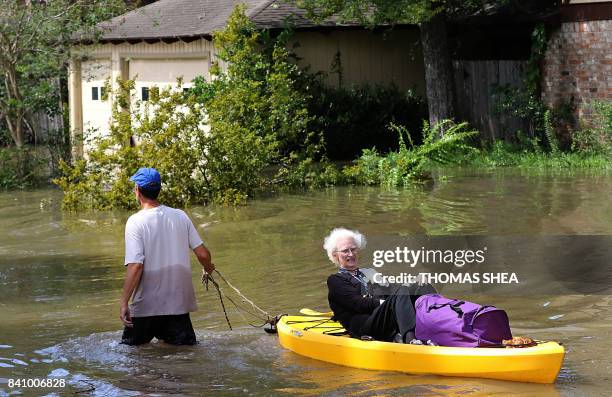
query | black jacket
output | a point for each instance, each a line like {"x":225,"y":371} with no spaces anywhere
{"x":350,"y":308}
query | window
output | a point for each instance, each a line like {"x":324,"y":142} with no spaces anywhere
{"x":145,"y":93}
{"x":102,"y":92}
{"x":94,"y":94}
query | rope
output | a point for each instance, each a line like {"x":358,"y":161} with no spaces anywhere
{"x":244,"y":298}
{"x":206,"y":277}
{"x":320,"y":324}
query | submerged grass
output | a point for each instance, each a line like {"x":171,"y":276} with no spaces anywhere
{"x":504,"y":155}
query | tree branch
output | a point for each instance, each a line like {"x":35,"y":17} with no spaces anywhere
{"x":67,"y":9}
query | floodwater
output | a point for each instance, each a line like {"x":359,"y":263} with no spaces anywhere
{"x":61,"y":276}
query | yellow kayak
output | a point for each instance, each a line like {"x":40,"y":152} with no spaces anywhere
{"x":320,"y":338}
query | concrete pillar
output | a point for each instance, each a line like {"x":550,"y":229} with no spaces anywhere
{"x":75,"y":103}
{"x":116,"y":73}
{"x":119,"y":70}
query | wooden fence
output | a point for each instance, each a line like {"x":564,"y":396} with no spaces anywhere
{"x":45,"y":126}
{"x":475,"y":82}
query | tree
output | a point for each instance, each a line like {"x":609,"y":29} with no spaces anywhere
{"x":34,"y":49}
{"x":431,"y":16}
{"x":254,"y":104}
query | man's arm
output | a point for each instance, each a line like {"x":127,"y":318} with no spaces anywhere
{"x":132,"y":278}
{"x":203,"y":255}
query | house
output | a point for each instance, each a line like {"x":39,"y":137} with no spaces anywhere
{"x":156,"y":44}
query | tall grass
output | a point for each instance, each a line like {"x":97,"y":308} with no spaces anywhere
{"x":504,"y":155}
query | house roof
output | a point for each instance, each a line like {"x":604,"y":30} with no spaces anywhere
{"x":180,"y":19}
{"x":184,"y":19}
{"x":277,"y":12}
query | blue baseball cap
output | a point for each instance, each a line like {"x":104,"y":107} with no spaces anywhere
{"x":147,"y":178}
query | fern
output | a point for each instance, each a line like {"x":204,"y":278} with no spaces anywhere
{"x":410,"y":164}
{"x":549,"y":131}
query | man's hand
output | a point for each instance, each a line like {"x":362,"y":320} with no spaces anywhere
{"x":209,"y":268}
{"x":124,"y":315}
{"x":204,"y":258}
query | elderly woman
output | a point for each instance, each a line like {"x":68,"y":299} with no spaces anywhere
{"x":363,"y":312}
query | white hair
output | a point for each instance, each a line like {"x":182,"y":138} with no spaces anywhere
{"x":330,"y":242}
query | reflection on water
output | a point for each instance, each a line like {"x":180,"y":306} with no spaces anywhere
{"x":321,"y":378}
{"x":61,"y":275}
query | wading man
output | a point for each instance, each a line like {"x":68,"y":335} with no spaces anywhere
{"x":158,"y":241}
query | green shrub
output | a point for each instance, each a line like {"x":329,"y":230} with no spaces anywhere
{"x":410,"y":162}
{"x":168,"y":131}
{"x":356,"y":118}
{"x":5,"y":135}
{"x":597,"y":138}
{"x":225,"y":164}
{"x":520,"y":103}
{"x":22,"y":168}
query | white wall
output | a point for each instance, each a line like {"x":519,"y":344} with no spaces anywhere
{"x":96,"y":113}
{"x":164,"y":72}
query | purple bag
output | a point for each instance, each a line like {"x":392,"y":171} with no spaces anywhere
{"x":451,"y":322}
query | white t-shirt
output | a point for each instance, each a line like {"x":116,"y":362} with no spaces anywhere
{"x":161,"y":238}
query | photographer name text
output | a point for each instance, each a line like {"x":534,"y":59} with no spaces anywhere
{"x":448,"y":278}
